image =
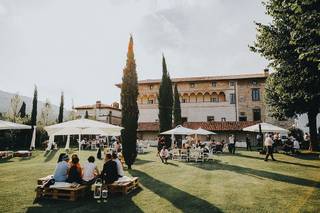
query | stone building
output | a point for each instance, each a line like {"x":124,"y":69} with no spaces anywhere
{"x":101,"y":112}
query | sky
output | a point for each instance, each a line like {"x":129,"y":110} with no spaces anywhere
{"x":79,"y":46}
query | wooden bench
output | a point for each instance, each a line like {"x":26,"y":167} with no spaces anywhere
{"x":123,"y":187}
{"x":22,"y":154}
{"x":71,"y":194}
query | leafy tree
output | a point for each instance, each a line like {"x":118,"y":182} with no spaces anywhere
{"x":34,"y":107}
{"x":86,"y":115}
{"x":22,"y":110}
{"x":177,"y":107}
{"x":14,"y":105}
{"x":291,"y":43}
{"x":130,"y":111}
{"x":60,"y":117}
{"x":165,"y":99}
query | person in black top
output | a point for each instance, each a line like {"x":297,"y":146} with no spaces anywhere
{"x":248,"y":143}
{"x":109,"y":172}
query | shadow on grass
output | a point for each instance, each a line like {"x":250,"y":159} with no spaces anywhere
{"x":8,"y":160}
{"x":180,"y":199}
{"x":258,"y":173}
{"x":115,"y":203}
{"x":50,"y":155}
{"x":279,"y":161}
{"x":140,"y":162}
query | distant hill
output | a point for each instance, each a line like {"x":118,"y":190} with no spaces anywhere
{"x":5,"y":98}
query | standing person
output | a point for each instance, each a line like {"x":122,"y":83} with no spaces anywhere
{"x":306,"y":139}
{"x":248,"y":143}
{"x":259,"y":139}
{"x":231,"y":145}
{"x":269,"y":144}
{"x":109,"y":172}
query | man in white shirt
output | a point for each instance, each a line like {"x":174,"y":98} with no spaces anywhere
{"x":269,"y":144}
{"x":231,"y":145}
{"x":164,"y":154}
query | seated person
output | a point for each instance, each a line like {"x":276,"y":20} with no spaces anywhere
{"x":296,"y":146}
{"x":109,"y":172}
{"x":61,"y":171}
{"x":75,"y":171}
{"x":90,"y":171}
{"x":164,"y":154}
{"x":119,"y":164}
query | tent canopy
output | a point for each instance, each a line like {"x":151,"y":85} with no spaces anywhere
{"x":83,"y":127}
{"x":265,"y":127}
{"x":179,"y":130}
{"x":6,"y":125}
{"x":201,"y":131}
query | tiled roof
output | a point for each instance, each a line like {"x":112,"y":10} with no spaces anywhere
{"x":211,"y":126}
{"x":206,"y":78}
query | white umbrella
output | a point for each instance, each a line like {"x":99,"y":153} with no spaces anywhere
{"x":265,"y":127}
{"x":201,"y":131}
{"x":4,"y":125}
{"x":179,"y":130}
{"x":33,"y":140}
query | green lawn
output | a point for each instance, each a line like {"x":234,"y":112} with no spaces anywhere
{"x":240,"y":183}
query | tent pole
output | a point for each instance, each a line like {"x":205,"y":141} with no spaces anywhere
{"x":79,"y":145}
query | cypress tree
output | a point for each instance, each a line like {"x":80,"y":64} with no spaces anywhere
{"x":22,"y":110}
{"x":86,"y":115}
{"x":60,"y":117}
{"x":176,"y":107}
{"x":130,"y":111}
{"x":165,"y":99}
{"x":34,"y":107}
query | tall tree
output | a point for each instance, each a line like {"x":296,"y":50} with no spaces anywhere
{"x":291,"y":43}
{"x":34,"y":107}
{"x":60,"y":117}
{"x":45,"y":112}
{"x":22,"y":110}
{"x":130,"y":111}
{"x":86,"y":115}
{"x":14,"y":105}
{"x":165,"y":99}
{"x":177,"y":107}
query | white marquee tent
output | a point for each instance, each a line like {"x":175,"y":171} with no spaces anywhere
{"x":82,"y":127}
{"x":6,"y":125}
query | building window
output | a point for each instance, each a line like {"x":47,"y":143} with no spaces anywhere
{"x":223,"y":119}
{"x":214,"y":99}
{"x":254,"y":83}
{"x":150,"y":101}
{"x":184,"y":119}
{"x":255,"y":94}
{"x":151,"y":87}
{"x":256,"y":114}
{"x":192,"y":85}
{"x":242,"y":116}
{"x":232,"y":83}
{"x":232,"y":98}
{"x":214,"y":83}
{"x":210,"y":118}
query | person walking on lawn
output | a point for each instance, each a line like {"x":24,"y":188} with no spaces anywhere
{"x":248,"y":143}
{"x":269,"y":144}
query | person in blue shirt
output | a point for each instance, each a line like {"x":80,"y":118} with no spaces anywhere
{"x":61,"y":172}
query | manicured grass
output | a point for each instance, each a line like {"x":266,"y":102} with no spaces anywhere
{"x":240,"y":183}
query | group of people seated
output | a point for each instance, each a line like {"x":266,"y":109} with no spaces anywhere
{"x":72,"y":172}
{"x":91,"y":144}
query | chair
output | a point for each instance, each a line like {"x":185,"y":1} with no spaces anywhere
{"x":176,"y":154}
{"x":184,"y":155}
